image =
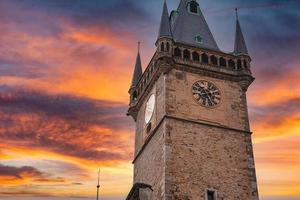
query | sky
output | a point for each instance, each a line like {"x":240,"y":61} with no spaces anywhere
{"x":65,"y":70}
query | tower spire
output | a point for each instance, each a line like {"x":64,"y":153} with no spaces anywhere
{"x":165,"y":27}
{"x":137,"y":74}
{"x":240,"y":44}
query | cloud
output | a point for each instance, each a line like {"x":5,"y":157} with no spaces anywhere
{"x":276,"y":120}
{"x":278,"y":166}
{"x":68,"y":125}
{"x":19,"y":172}
{"x":11,"y":175}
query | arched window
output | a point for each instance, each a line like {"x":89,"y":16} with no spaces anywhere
{"x":222,"y":62}
{"x":204,"y":58}
{"x":193,"y":7}
{"x":162,"y":46}
{"x":231,"y":64}
{"x":214,"y":60}
{"x":186,"y":54}
{"x":239,"y":64}
{"x":134,"y":96}
{"x":177,"y":52}
{"x":246,"y":64}
{"x":196,"y":56}
{"x":168,"y":46}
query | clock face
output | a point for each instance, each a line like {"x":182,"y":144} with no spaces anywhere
{"x":149,"y":108}
{"x":206,"y":93}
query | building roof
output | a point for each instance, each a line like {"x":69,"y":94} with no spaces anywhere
{"x":240,"y":44}
{"x":134,"y":192}
{"x":138,"y":72}
{"x":187,"y":26}
{"x":165,"y":27}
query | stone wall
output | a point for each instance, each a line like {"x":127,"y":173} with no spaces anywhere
{"x":231,"y":112}
{"x":149,"y":167}
{"x":204,"y":157}
{"x":142,"y":134}
{"x":191,"y":148}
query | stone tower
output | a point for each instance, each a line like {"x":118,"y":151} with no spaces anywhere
{"x":193,"y":140}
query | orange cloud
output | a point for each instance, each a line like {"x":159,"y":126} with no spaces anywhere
{"x":95,"y":63}
{"x":278,"y":165}
{"x":280,"y":88}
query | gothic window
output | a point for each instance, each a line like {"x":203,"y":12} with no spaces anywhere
{"x":177,"y":52}
{"x":193,"y":7}
{"x":162,"y":46}
{"x":204,"y":58}
{"x":134,"y":95}
{"x":239,"y":64}
{"x":245,"y":64}
{"x":222,"y":62}
{"x":214,"y":60}
{"x":186,"y":54}
{"x":168,"y":46}
{"x":211,"y":195}
{"x":196,"y":56}
{"x":231,"y":64}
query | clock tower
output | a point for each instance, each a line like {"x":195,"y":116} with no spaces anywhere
{"x":192,"y":140}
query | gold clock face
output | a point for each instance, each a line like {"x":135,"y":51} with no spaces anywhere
{"x":206,"y":93}
{"x":149,"y":108}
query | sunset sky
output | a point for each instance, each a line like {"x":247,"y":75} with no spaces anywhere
{"x":65,"y":69}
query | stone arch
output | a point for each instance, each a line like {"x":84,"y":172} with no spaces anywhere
{"x":162,"y":46}
{"x":177,"y":52}
{"x":223,"y":62}
{"x":168,"y":46}
{"x":186,"y":54}
{"x":214,"y":60}
{"x":196,"y":56}
{"x":204,"y":58}
{"x":239,"y":64}
{"x":231,"y":64}
{"x":246,"y":66}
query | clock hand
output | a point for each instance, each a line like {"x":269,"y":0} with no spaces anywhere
{"x":209,"y":97}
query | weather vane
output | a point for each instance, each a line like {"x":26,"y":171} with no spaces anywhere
{"x":98,"y":185}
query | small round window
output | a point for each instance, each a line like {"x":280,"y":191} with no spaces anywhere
{"x":199,"y":39}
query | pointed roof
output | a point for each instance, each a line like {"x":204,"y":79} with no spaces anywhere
{"x":240,"y":44}
{"x":138,"y":72}
{"x":189,"y":26}
{"x":165,"y":27}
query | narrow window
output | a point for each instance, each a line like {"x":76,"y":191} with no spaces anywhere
{"x":239,"y":64}
{"x":196,"y":56}
{"x":162,"y":46}
{"x":246,"y":64}
{"x":177,"y":52}
{"x":222,"y":62}
{"x":204,"y":58}
{"x":186,"y":54}
{"x":134,"y":96}
{"x":214,"y":60}
{"x":193,"y":7}
{"x":231,"y":64}
{"x":211,"y":195}
{"x":168,"y":46}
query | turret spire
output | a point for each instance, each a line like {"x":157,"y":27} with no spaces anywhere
{"x":240,"y":44}
{"x":137,"y":74}
{"x":165,"y":27}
